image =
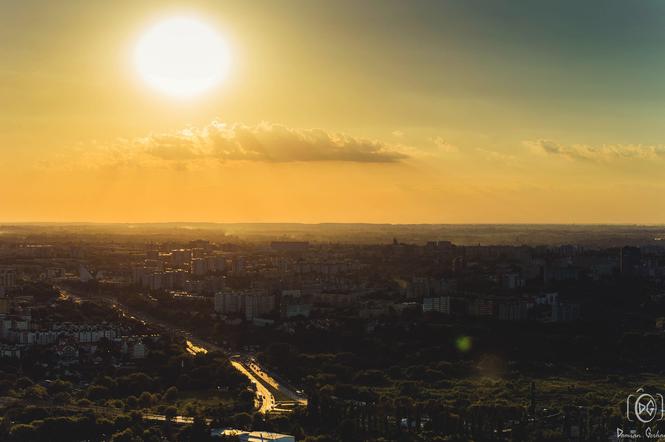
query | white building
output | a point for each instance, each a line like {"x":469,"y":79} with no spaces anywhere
{"x":139,"y":350}
{"x":252,"y":436}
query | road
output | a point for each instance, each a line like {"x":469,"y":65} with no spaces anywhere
{"x":271,"y":396}
{"x":291,"y":398}
{"x":265,"y":400}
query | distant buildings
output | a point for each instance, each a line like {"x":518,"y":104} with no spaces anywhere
{"x":481,"y":307}
{"x":514,"y":311}
{"x":296,"y":310}
{"x":289,"y":246}
{"x":439,"y":304}
{"x":421,"y":287}
{"x":55,"y":273}
{"x":180,"y":257}
{"x":512,"y":281}
{"x":565,"y":312}
{"x":545,"y":308}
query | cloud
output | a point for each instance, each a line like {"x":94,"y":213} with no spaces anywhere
{"x":602,"y":153}
{"x":265,"y":142}
{"x":444,"y":146}
{"x":498,"y":157}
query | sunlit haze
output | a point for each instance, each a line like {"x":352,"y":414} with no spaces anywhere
{"x":345,"y":111}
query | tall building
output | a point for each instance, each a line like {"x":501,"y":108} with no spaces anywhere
{"x":251,"y":303}
{"x":137,"y":273}
{"x":258,"y":304}
{"x":180,"y":257}
{"x":7,"y":277}
{"x":229,"y":302}
{"x":199,"y":267}
{"x":239,"y":265}
{"x":4,"y":304}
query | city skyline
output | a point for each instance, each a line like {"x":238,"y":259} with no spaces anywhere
{"x":379,"y":112}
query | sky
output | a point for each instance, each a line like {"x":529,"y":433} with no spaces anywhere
{"x":339,"y":111}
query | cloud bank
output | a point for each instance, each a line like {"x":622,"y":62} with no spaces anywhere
{"x":603,"y":153}
{"x":265,"y":142}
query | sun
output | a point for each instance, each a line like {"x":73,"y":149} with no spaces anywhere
{"x":182,"y":57}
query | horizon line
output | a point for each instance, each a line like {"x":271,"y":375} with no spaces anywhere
{"x":322,"y":223}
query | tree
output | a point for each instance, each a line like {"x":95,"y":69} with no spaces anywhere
{"x":62,"y":398}
{"x":146,"y":399}
{"x":23,"y":433}
{"x":96,"y":392}
{"x":242,"y":420}
{"x":59,"y":386}
{"x":197,"y":432}
{"x":170,"y":412}
{"x":171,"y":394}
{"x":131,"y":402}
{"x":36,"y":392}
{"x":127,"y":435}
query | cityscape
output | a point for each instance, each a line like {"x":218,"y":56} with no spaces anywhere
{"x":332,"y":221}
{"x":112,"y":333}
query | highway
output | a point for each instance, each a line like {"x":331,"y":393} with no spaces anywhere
{"x":265,"y":400}
{"x":291,"y":398}
{"x":271,"y":396}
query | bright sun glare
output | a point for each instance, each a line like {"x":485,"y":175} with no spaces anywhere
{"x":181,"y":57}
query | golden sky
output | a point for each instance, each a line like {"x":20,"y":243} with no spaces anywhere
{"x":345,"y":111}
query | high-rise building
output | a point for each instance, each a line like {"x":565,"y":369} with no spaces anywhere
{"x":180,"y":257}
{"x":7,"y":277}
{"x":239,"y":264}
{"x":227,"y":302}
{"x":4,"y":305}
{"x":199,"y":267}
{"x":257,"y":305}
